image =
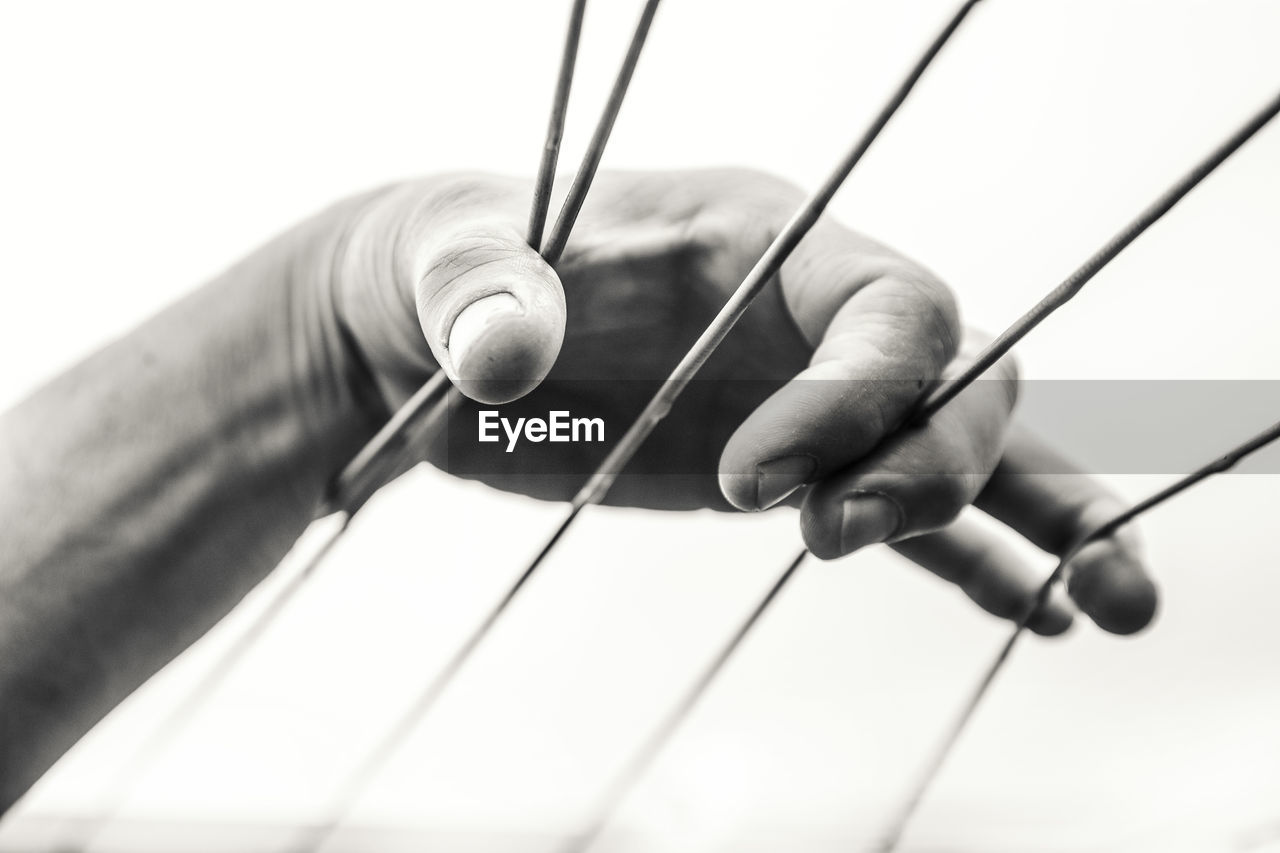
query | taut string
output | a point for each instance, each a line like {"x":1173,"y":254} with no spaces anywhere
{"x":555,"y":127}
{"x":939,"y":756}
{"x":597,"y":486}
{"x":939,"y":397}
{"x":350,"y":791}
{"x":573,"y":202}
{"x":346,"y":495}
{"x":635,"y":768}
{"x":366,"y":472}
{"x":348,"y":492}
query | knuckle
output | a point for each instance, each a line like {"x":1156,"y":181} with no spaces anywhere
{"x":748,"y":202}
{"x":1010,"y":383}
{"x":1006,"y":372}
{"x":929,"y":286}
{"x":930,"y":502}
{"x":740,"y":183}
{"x":1085,"y":508}
{"x":464,"y":251}
{"x":455,"y":190}
{"x":917,"y":302}
{"x":940,"y":312}
{"x":943,"y":498}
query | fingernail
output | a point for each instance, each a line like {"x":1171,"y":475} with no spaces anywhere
{"x":1055,"y":617}
{"x":868,"y":518}
{"x":778,"y":478}
{"x":474,"y":321}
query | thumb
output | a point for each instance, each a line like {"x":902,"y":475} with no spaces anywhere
{"x":492,"y":311}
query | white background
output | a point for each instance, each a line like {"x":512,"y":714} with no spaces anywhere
{"x":148,"y":145}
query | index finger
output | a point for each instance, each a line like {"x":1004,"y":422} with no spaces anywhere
{"x":884,"y":329}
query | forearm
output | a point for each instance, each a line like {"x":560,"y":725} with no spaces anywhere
{"x":145,"y":491}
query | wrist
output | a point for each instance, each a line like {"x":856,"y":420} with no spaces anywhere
{"x":332,"y":387}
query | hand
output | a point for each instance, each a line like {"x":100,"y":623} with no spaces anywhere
{"x":802,"y":403}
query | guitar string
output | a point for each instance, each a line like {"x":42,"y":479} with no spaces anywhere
{"x":652,"y":747}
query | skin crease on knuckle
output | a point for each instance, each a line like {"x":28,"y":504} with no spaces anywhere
{"x":904,"y":289}
{"x":460,"y":274}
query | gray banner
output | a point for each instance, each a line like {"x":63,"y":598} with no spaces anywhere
{"x":1104,"y":426}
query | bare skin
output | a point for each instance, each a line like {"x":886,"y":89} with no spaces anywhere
{"x":145,"y":491}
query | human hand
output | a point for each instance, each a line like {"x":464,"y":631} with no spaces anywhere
{"x":802,"y":403}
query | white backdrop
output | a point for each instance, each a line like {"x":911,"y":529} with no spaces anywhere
{"x":148,"y":145}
